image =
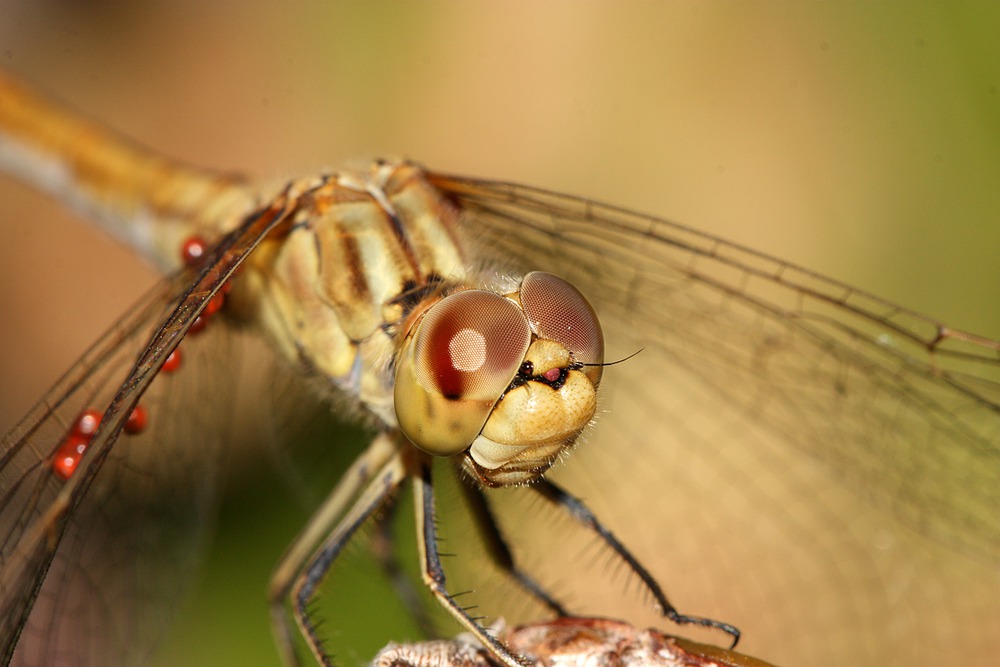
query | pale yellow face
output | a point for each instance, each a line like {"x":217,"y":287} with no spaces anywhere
{"x":510,"y":380}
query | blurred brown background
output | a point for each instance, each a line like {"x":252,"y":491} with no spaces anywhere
{"x":861,"y":140}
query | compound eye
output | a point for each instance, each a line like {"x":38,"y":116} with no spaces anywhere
{"x":470,"y":345}
{"x":558,"y":311}
{"x":463,"y":355}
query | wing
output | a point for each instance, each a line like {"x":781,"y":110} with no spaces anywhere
{"x":105,"y":536}
{"x":812,"y":464}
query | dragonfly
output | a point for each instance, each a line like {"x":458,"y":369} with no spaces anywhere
{"x":793,"y":456}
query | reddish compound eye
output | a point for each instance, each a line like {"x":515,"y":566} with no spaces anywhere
{"x":557,"y":311}
{"x":462,"y":356}
{"x":470,"y":345}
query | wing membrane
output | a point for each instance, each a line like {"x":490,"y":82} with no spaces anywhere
{"x":82,"y":537}
{"x":776,"y":427}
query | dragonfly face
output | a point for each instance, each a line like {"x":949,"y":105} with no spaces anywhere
{"x":511,"y":380}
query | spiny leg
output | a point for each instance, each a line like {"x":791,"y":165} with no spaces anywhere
{"x":576,"y":509}
{"x":388,"y":559}
{"x":333,"y":525}
{"x":498,"y":550}
{"x":433,"y":572}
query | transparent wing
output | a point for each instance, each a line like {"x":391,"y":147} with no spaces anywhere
{"x":111,"y":535}
{"x":139,"y":525}
{"x":791,"y":455}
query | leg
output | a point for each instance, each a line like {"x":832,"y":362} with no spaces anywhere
{"x":497,"y":547}
{"x":576,"y":509}
{"x":382,"y":549}
{"x":433,"y":573}
{"x":297,"y":564}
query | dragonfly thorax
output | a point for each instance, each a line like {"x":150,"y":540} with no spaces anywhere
{"x":329,"y":290}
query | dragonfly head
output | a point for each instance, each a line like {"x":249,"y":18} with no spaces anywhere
{"x":509,"y":381}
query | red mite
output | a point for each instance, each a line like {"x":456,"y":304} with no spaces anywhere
{"x":216,"y":302}
{"x":86,"y":424}
{"x":67,"y":458}
{"x":172,"y":362}
{"x":213,"y":306}
{"x":72,"y":449}
{"x":193,"y":250}
{"x":198,"y":325}
{"x":70,"y":452}
{"x":137,"y":421}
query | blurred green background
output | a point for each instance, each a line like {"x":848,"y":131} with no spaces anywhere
{"x":858,"y":139}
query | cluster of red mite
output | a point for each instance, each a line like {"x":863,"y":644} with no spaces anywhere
{"x":74,"y":445}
